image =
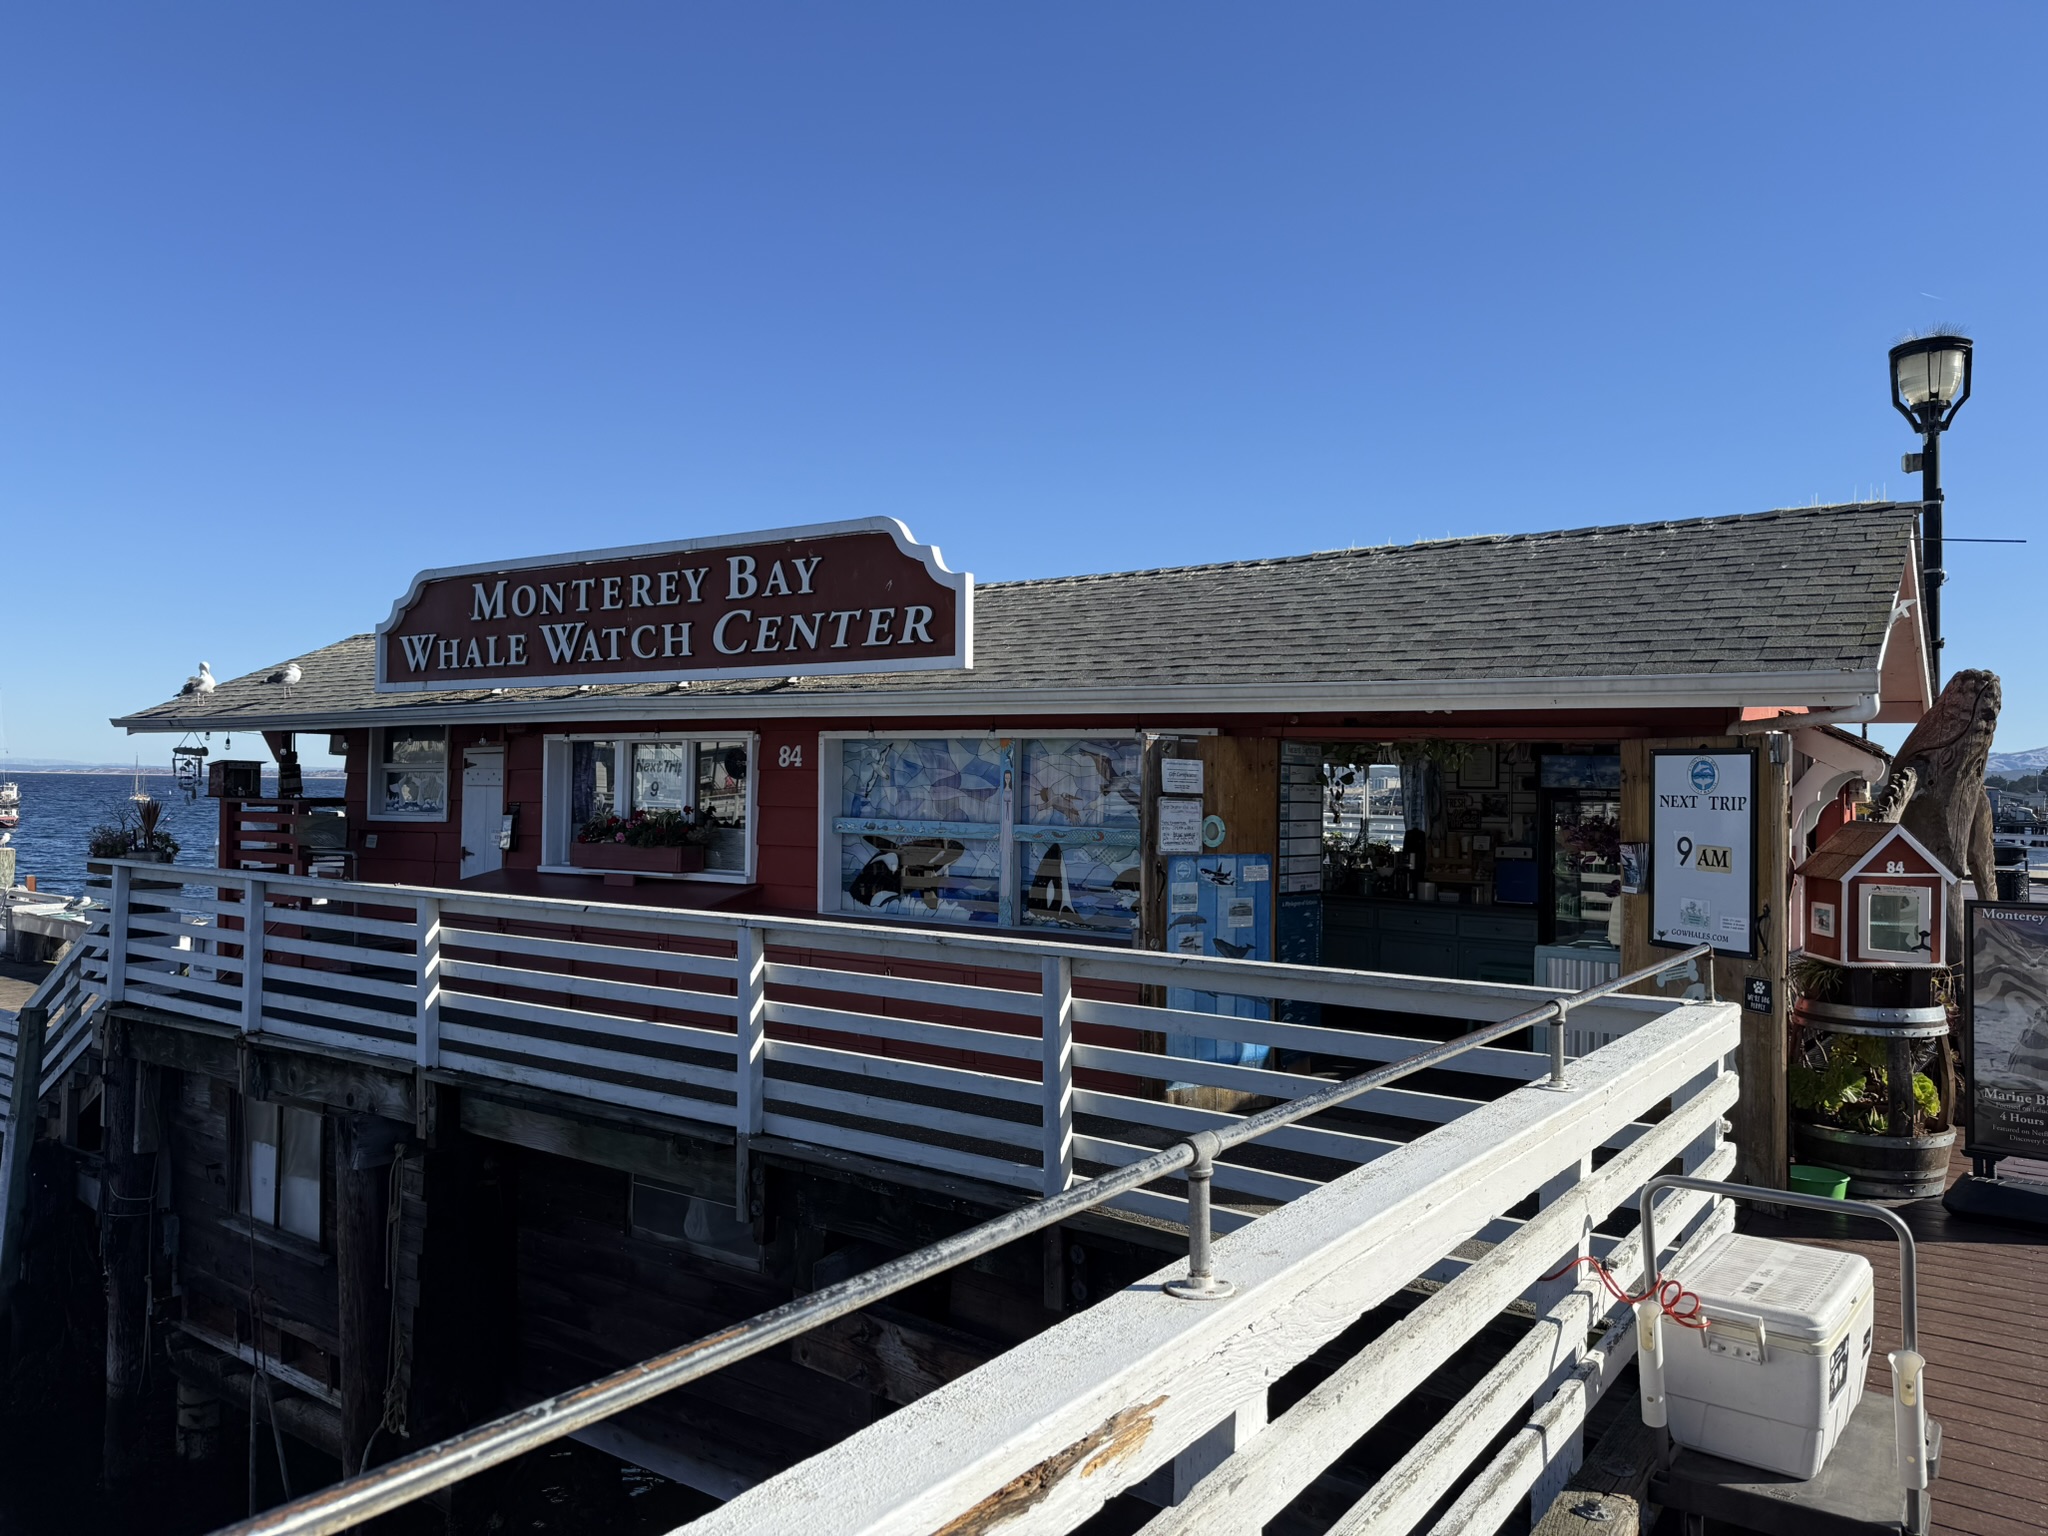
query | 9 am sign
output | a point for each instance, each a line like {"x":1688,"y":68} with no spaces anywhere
{"x":1703,"y":850}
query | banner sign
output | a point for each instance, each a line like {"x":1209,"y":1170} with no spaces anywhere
{"x":859,"y":596}
{"x":2005,"y":1055}
{"x":1703,"y":850}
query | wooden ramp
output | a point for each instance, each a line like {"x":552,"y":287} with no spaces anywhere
{"x":1985,"y":1335}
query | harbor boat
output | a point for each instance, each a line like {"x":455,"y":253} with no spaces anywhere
{"x":10,"y":804}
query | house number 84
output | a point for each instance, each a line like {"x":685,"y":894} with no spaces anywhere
{"x":790,"y":757}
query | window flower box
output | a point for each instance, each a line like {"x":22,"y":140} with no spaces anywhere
{"x":632,"y":858}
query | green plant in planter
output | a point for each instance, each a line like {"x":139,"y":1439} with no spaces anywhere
{"x":1849,"y":1087}
{"x":132,"y":833}
{"x":650,"y":829}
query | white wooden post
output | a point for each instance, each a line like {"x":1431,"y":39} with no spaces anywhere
{"x":1709,"y":1140}
{"x":750,"y":1057}
{"x":254,"y":895}
{"x":427,"y":1035}
{"x":1570,"y":1452}
{"x":1056,"y":1073}
{"x":117,"y":933}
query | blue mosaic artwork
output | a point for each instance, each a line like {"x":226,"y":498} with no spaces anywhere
{"x":958,"y":780}
{"x":1080,"y":784}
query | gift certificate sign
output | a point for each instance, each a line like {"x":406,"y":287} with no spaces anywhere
{"x":1703,"y":850}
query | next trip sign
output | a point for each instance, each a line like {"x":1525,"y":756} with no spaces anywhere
{"x":858,"y":596}
{"x":1703,"y":850}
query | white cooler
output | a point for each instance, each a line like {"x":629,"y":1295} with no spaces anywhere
{"x":1773,"y":1381}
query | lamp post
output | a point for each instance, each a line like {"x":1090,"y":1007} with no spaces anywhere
{"x":1930,"y":382}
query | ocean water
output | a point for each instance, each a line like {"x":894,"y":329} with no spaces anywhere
{"x":59,"y":811}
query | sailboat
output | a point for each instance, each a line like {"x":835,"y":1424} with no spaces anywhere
{"x":10,"y":792}
{"x":140,"y":794}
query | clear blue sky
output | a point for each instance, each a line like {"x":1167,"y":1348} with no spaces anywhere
{"x":296,"y":299}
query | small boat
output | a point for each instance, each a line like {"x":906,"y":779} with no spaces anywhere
{"x":10,"y":804}
{"x":140,"y":795}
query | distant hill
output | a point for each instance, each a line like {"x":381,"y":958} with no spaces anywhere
{"x":2016,"y":764}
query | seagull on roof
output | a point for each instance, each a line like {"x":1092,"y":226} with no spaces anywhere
{"x":288,"y":674}
{"x":200,"y":682}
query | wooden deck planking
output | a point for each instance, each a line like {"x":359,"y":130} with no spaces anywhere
{"x":1986,"y":1344}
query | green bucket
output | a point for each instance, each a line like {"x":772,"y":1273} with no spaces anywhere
{"x":1810,"y":1180}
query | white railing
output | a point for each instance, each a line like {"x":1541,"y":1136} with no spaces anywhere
{"x":911,"y":1046}
{"x":38,"y":1045}
{"x":1167,"y":1398}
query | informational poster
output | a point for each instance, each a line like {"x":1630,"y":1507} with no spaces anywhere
{"x":1219,"y":904}
{"x":1180,"y":824}
{"x":2006,"y":1044}
{"x":1180,"y":775}
{"x":1703,"y":850}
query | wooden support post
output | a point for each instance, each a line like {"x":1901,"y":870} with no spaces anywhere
{"x":1056,"y":1074}
{"x":126,"y":1208}
{"x":1607,"y":1495}
{"x":20,"y":1134}
{"x":362,"y":1154}
{"x":750,"y":1059}
{"x":254,"y":895}
{"x":1762,"y":1127}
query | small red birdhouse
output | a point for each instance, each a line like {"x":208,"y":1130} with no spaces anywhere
{"x":1875,"y":897}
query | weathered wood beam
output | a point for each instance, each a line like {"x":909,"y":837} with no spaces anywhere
{"x":267,"y":1068}
{"x":701,"y":1167}
{"x":1607,"y":1496}
{"x":889,"y":1355}
{"x":300,"y":1417}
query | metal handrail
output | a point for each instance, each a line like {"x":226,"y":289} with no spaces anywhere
{"x":397,"y":1483}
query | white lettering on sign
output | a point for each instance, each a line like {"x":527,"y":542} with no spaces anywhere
{"x":1895,"y":866}
{"x":790,"y":757}
{"x":845,"y":597}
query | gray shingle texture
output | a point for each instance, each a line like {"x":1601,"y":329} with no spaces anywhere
{"x":1802,"y":590}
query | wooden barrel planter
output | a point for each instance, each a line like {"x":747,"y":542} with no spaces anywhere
{"x":1880,"y":1167}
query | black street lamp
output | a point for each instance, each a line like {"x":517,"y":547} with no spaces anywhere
{"x":1930,"y":382}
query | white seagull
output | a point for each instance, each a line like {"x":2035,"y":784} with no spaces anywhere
{"x":201,"y":683}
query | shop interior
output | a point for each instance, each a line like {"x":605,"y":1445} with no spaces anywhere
{"x":1491,"y":861}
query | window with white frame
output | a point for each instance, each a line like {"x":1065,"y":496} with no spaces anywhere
{"x":591,"y":779}
{"x":409,"y":780}
{"x":281,"y":1167}
{"x":1896,"y":921}
{"x":985,"y":831}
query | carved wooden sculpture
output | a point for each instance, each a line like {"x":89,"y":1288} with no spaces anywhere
{"x":1935,"y":789}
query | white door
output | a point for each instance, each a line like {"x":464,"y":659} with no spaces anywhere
{"x":483,"y":809}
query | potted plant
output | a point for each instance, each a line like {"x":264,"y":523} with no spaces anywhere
{"x":134,"y":835}
{"x":1872,"y":1083}
{"x":644,"y":843}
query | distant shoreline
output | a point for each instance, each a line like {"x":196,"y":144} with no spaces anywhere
{"x":130,"y":769}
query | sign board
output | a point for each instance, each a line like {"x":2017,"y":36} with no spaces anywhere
{"x":1703,"y":850}
{"x":859,"y":596}
{"x":1180,"y":775}
{"x":1756,"y":994}
{"x":1180,"y":824}
{"x":2005,"y":1054}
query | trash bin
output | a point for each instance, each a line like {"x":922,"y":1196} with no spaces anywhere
{"x":2011,"y":866}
